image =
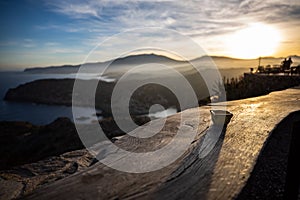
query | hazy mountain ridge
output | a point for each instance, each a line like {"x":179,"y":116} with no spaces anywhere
{"x":203,"y":61}
{"x":128,"y":60}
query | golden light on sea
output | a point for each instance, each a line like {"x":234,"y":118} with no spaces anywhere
{"x":254,"y":41}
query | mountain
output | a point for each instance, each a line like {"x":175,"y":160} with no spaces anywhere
{"x":128,"y":60}
{"x":50,"y":69}
{"x":203,"y":62}
{"x":143,"y":58}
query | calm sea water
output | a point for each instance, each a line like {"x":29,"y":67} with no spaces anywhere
{"x":44,"y":114}
{"x":31,"y":112}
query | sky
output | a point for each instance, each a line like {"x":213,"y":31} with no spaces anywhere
{"x":43,"y":33}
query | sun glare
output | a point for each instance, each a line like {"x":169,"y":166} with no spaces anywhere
{"x":254,"y":41}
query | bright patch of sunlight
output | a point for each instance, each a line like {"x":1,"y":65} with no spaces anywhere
{"x":254,"y":41}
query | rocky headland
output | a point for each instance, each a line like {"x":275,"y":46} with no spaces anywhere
{"x":59,"y":92}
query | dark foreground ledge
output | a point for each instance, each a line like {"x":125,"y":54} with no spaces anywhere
{"x":257,"y":136}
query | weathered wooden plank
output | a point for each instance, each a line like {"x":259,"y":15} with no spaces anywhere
{"x":221,"y":174}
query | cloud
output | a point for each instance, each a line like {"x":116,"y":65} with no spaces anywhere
{"x":74,"y":9}
{"x":7,"y":43}
{"x":69,"y":28}
{"x":207,"y":16}
{"x":28,"y":43}
{"x":65,"y":51}
{"x":74,"y":27}
{"x":52,"y":44}
{"x":206,"y":19}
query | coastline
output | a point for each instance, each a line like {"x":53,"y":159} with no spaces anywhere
{"x":36,"y":176}
{"x":242,"y":145}
{"x":21,"y":172}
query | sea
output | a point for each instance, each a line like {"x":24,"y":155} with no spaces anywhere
{"x":40,"y":114}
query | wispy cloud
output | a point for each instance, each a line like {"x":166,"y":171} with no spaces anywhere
{"x":7,"y":43}
{"x":76,"y":26}
{"x":28,"y":43}
{"x":191,"y":17}
{"x":70,"y":28}
{"x":65,"y":51}
{"x":207,"y":21}
{"x":51,"y":44}
{"x":75,"y":9}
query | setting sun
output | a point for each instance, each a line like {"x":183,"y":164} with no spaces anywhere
{"x":254,"y":41}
